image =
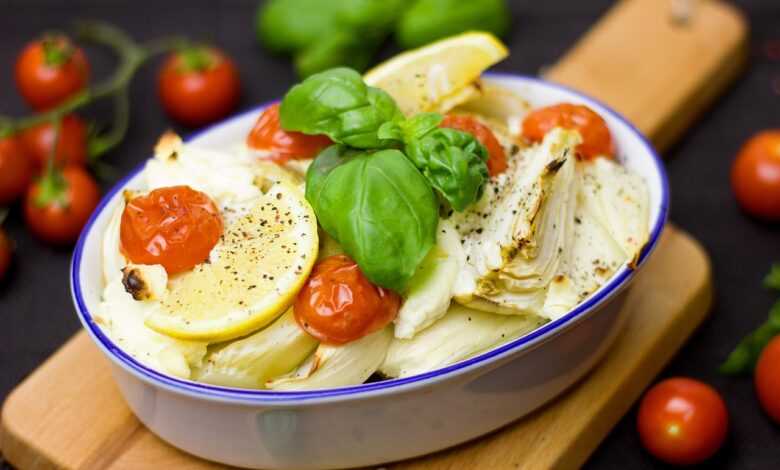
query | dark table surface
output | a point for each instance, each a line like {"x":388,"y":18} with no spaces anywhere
{"x":36,"y":315}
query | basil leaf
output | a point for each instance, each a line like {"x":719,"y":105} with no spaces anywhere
{"x":744,"y":357}
{"x":338,"y":104}
{"x":378,"y":207}
{"x":772,"y":280}
{"x":410,"y":129}
{"x":454,"y":162}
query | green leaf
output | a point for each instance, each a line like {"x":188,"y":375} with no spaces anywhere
{"x":291,"y":25}
{"x":772,"y":280}
{"x":421,"y":124}
{"x":378,"y":207}
{"x":744,"y":357}
{"x":429,"y":20}
{"x":454,"y":163}
{"x":336,"y":49}
{"x":338,"y":104}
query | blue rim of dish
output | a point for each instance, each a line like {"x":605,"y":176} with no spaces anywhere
{"x":236,"y":395}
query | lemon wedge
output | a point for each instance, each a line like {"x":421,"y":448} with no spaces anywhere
{"x":442,"y":72}
{"x":258,"y":266}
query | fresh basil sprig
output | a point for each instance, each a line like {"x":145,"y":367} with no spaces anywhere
{"x":337,"y":103}
{"x":376,"y":200}
{"x":743,"y":358}
{"x":454,"y":162}
{"x":378,"y":206}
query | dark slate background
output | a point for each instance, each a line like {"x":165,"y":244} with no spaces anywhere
{"x":36,"y":315}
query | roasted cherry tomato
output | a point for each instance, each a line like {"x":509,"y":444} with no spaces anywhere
{"x":198,"y":85}
{"x":71,"y":144}
{"x":682,"y":421}
{"x":175,"y":226}
{"x":497,"y":158}
{"x":338,"y":304}
{"x":283,"y":145}
{"x":755,"y":175}
{"x":59,"y":204}
{"x":6,"y":254}
{"x":15,"y":170}
{"x":767,"y":379}
{"x":49,"y":71}
{"x":596,"y":138}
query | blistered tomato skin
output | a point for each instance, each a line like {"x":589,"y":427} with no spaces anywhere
{"x":338,"y":304}
{"x":596,"y":138}
{"x":176,"y":227}
{"x":497,"y":157}
{"x":268,"y":135}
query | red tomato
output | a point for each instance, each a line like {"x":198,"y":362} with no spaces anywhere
{"x":6,"y":254}
{"x":49,"y":71}
{"x":755,"y":175}
{"x":596,"y":138}
{"x":175,"y":226}
{"x":496,"y":157}
{"x":268,"y":135}
{"x":71,"y":145}
{"x":682,"y":421}
{"x":57,"y":206}
{"x":338,"y":304}
{"x":198,"y":86}
{"x":15,"y":170}
{"x":767,"y":379}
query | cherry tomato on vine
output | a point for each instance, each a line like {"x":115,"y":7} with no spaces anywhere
{"x":58,"y":204}
{"x":71,"y":145}
{"x":174,"y":226}
{"x":198,"y":85}
{"x":49,"y":71}
{"x":338,"y":304}
{"x":6,"y":254}
{"x":755,"y":175}
{"x":15,"y":170}
{"x":682,"y":421}
{"x":496,"y":157}
{"x":283,"y":145}
{"x":767,"y":379}
{"x":596,"y":138}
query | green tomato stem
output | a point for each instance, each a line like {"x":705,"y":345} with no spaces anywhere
{"x":52,"y":185}
{"x":196,"y":58}
{"x":132,"y":55}
{"x":54,"y":53}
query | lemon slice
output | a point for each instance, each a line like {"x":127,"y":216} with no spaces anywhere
{"x":255,"y":271}
{"x":422,"y":79}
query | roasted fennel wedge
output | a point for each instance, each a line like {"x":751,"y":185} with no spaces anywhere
{"x":431,"y":287}
{"x":460,"y":334}
{"x":337,"y":366}
{"x":250,"y":362}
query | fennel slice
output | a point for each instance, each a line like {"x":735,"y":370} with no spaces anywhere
{"x":336,"y":366}
{"x":460,"y":334}
{"x":250,"y":362}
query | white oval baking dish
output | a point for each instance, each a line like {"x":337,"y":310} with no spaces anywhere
{"x":383,"y":421}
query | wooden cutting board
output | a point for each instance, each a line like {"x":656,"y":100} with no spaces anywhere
{"x":658,"y":69}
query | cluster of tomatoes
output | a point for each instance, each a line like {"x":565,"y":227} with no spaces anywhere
{"x":45,"y":165}
{"x":40,"y":164}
